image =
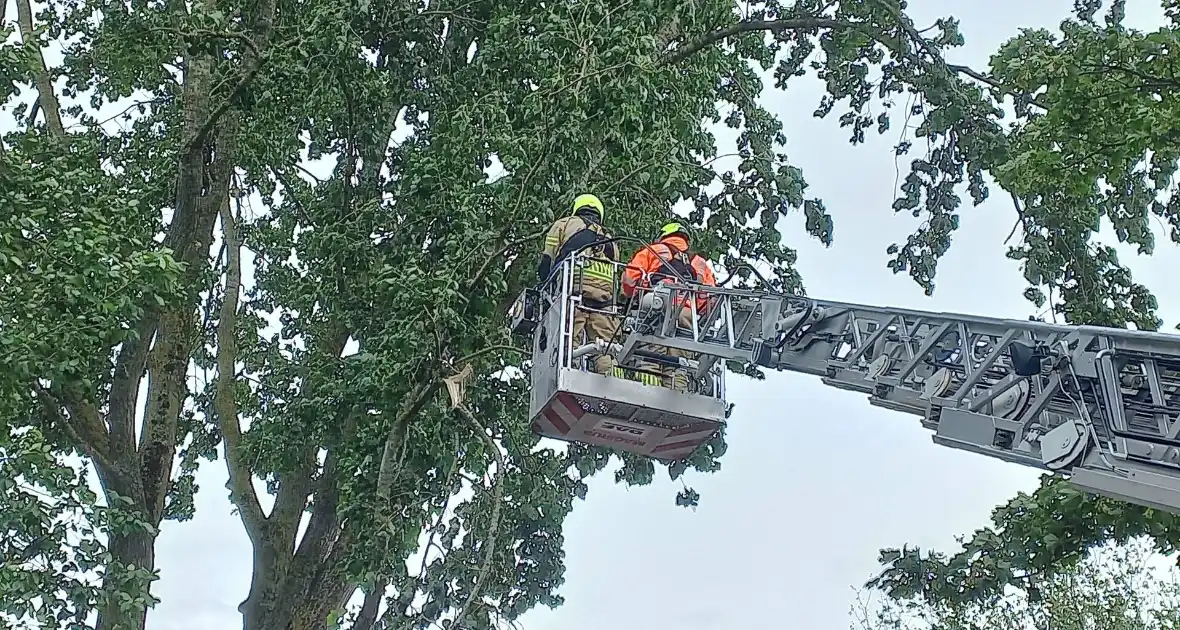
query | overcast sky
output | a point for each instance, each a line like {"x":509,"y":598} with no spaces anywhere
{"x":815,"y":480}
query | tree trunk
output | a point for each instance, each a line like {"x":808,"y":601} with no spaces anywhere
{"x":265,"y":589}
{"x":285,"y":602}
{"x":139,"y":550}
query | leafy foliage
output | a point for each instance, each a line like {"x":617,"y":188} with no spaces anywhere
{"x":1114,"y":586}
{"x":53,"y":562}
{"x":1095,"y":140}
{"x":304,"y":322}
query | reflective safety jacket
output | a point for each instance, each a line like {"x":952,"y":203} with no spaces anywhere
{"x":668,"y":260}
{"x":570,"y":234}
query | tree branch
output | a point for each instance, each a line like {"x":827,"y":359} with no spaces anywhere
{"x":198,"y":140}
{"x":494,"y":524}
{"x":368,"y":614}
{"x":255,"y":59}
{"x":487,"y":263}
{"x":749,"y":26}
{"x":490,"y":349}
{"x":991,"y":82}
{"x":241,"y":486}
{"x":41,"y":77}
{"x":130,"y":365}
{"x":390,"y":469}
{"x":297,"y":483}
{"x":91,"y":440}
{"x":804,"y":24}
{"x":321,"y":537}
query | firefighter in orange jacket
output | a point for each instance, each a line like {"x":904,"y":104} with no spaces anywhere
{"x":577,"y":235}
{"x":669,"y":260}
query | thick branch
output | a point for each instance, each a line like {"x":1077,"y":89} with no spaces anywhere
{"x":129,"y":370}
{"x":241,"y":486}
{"x":167,"y":391}
{"x":189,"y":236}
{"x":394,"y":440}
{"x":255,"y":59}
{"x":368,"y":614}
{"x":87,"y":432}
{"x":41,"y":77}
{"x":297,"y":483}
{"x":322,"y":538}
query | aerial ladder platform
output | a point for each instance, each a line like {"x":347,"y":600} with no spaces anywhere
{"x":1100,"y":406}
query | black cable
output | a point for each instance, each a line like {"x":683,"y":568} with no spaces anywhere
{"x":742,"y":264}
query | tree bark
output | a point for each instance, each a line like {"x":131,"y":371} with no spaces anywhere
{"x":127,"y":549}
{"x":46,"y":98}
{"x":138,"y":550}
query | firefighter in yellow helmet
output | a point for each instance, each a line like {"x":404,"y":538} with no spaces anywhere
{"x":576,"y":235}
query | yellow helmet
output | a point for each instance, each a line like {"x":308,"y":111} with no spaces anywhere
{"x":589,"y":201}
{"x":673,"y":228}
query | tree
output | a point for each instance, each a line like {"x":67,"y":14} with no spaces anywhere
{"x":125,"y":275}
{"x":1096,"y":139}
{"x":1115,"y":587}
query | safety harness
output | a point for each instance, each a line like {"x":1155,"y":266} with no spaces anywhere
{"x":678,"y":266}
{"x":597,"y":266}
{"x":585,"y":237}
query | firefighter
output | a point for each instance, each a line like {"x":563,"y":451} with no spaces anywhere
{"x":669,"y":259}
{"x":595,"y":281}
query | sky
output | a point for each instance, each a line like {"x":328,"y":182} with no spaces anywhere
{"x":815,"y":480}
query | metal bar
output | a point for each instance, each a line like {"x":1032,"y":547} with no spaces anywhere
{"x":973,"y":378}
{"x":923,"y":350}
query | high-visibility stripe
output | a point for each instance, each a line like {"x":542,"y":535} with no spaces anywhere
{"x":600,"y":270}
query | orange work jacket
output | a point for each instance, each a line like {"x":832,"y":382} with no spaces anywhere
{"x":656,"y":262}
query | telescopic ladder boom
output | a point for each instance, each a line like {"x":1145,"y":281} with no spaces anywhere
{"x":1099,"y":405}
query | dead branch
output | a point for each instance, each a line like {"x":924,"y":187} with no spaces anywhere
{"x":41,"y":77}
{"x":241,"y":486}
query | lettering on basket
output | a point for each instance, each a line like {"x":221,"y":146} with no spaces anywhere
{"x":622,"y":428}
{"x":614,"y":437}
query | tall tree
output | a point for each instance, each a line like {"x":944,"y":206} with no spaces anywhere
{"x":137,"y":336}
{"x":1116,"y":587}
{"x":1097,"y":138}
